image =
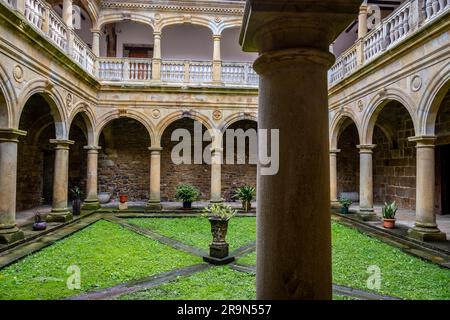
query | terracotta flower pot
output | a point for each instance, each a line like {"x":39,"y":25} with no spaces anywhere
{"x":123,"y":198}
{"x":389,"y":223}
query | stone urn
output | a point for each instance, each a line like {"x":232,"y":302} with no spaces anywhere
{"x":104,"y":197}
{"x":218,"y":249}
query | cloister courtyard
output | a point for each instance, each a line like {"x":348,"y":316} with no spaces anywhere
{"x":224,"y":150}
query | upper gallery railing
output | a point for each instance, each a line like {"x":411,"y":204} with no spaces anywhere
{"x":409,"y":17}
{"x":47,"y":22}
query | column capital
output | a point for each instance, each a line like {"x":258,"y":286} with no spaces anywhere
{"x":95,"y":30}
{"x":155,"y":149}
{"x":217,"y":36}
{"x":92,"y":148}
{"x":11,"y":135}
{"x":366,"y":148}
{"x":157,"y":34}
{"x":423,"y":141}
{"x":61,"y":144}
{"x":335,"y":151}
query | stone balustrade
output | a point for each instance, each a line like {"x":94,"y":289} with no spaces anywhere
{"x":406,"y":20}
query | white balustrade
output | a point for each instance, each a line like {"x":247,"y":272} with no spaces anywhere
{"x":110,"y":69}
{"x":239,"y":73}
{"x":172,"y":71}
{"x":139,"y":69}
{"x":398,"y":24}
{"x":34,"y":12}
{"x":200,"y":71}
{"x":434,"y":7}
{"x":57,"y":31}
{"x":10,"y":3}
{"x":374,"y":43}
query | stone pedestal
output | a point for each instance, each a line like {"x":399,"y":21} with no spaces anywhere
{"x":8,"y":177}
{"x":154,"y":202}
{"x":293,"y":210}
{"x":425,"y":227}
{"x":91,"y":202}
{"x":60,"y":211}
{"x":366,"y":211}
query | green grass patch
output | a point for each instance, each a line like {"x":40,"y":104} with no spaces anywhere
{"x":107,"y":254}
{"x":218,"y":283}
{"x":197,"y":231}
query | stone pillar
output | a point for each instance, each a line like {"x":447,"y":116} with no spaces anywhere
{"x":217,"y":59}
{"x":96,"y":42}
{"x":294,"y":245}
{"x":67,"y":13}
{"x":154,"y":202}
{"x":425,"y":227}
{"x":216,"y":175}
{"x":8,"y":177}
{"x":60,"y":211}
{"x":362,"y":20}
{"x":366,"y":211}
{"x":91,"y":202}
{"x":333,"y":177}
{"x":156,"y":62}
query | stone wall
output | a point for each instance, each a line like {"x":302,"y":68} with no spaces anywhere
{"x":348,"y":161}
{"x":442,"y":152}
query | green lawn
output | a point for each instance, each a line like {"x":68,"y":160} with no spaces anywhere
{"x":106,"y":253}
{"x":197,"y":231}
{"x":218,"y":283}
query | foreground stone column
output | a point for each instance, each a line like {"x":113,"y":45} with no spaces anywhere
{"x":216,"y":175}
{"x":91,"y":202}
{"x":333,"y":177}
{"x":8,"y":177}
{"x":425,"y":227}
{"x":217,"y":59}
{"x":293,"y":209}
{"x":68,"y":13}
{"x":154,"y":202}
{"x":156,"y":62}
{"x":366,"y":211}
{"x":60,"y":211}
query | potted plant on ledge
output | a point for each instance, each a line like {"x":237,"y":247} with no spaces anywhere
{"x":187,"y":194}
{"x":389,"y":211}
{"x":219,"y":214}
{"x":246,"y":194}
{"x":345,"y":203}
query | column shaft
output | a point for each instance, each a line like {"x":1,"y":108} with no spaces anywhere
{"x":91,"y":202}
{"x":333,"y":177}
{"x":216,"y":175}
{"x":60,"y":211}
{"x":96,"y":42}
{"x":366,"y":211}
{"x":8,"y":175}
{"x":217,"y":59}
{"x":156,"y":62}
{"x":155,"y":179}
{"x":362,"y":21}
{"x":67,"y":13}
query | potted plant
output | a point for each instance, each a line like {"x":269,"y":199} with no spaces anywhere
{"x":76,"y":203}
{"x":246,"y":194}
{"x":389,"y":211}
{"x":218,"y":215}
{"x":39,"y":224}
{"x":123,"y":198}
{"x":187,"y":194}
{"x":345,"y":203}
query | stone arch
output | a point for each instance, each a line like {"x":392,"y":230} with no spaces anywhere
{"x":432,"y":99}
{"x":7,"y":100}
{"x":116,"y":114}
{"x":200,"y":21}
{"x":171,"y":118}
{"x":338,"y":125}
{"x":377,"y":104}
{"x":54,"y":100}
{"x":227,"y":122}
{"x":88,"y":117}
{"x":120,"y":17}
{"x":228,"y":24}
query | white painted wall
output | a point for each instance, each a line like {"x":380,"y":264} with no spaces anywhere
{"x":230,"y":48}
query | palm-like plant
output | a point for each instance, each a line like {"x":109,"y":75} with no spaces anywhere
{"x":219,"y":211}
{"x":246,"y":194}
{"x":389,"y":210}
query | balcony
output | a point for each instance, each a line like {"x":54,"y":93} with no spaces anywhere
{"x":137,"y":71}
{"x":409,"y":18}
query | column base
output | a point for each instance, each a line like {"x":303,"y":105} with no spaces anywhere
{"x":154,"y":206}
{"x":59,"y":215}
{"x":11,"y":235}
{"x":367,"y":215}
{"x":215,"y":201}
{"x":91,"y":204}
{"x":426,"y":234}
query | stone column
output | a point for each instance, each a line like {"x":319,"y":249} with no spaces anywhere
{"x":20,"y":6}
{"x":8,"y":177}
{"x":154,"y":202}
{"x":96,"y":42}
{"x":366,"y":211}
{"x":425,"y":227}
{"x":91,"y":202}
{"x":293,"y":244}
{"x":216,"y":175}
{"x":333,"y":177}
{"x":217,"y":59}
{"x":362,"y":20}
{"x":67,"y":13}
{"x":156,"y":62}
{"x":60,"y":211}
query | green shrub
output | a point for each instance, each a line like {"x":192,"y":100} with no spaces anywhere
{"x":187,"y":193}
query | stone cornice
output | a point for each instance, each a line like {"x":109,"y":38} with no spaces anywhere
{"x":215,"y":7}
